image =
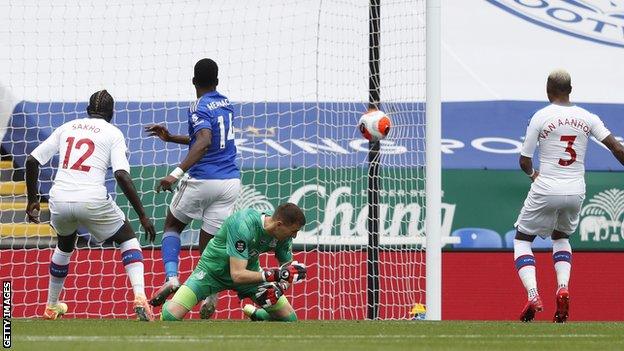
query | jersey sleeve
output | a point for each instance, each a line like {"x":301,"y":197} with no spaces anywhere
{"x":283,"y":251}
{"x":44,"y":152}
{"x":237,"y":243}
{"x":598,"y":129}
{"x":119,"y":157}
{"x":530,"y":139}
{"x":201,"y":119}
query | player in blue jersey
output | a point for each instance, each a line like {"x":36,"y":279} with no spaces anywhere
{"x":209,"y":177}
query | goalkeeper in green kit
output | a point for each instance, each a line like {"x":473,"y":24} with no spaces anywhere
{"x":230,"y":262}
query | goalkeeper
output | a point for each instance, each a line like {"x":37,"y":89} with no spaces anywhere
{"x":230,"y":261}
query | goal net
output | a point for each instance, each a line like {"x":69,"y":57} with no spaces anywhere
{"x":297,"y":73}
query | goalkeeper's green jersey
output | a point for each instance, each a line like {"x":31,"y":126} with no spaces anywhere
{"x":242,"y":236}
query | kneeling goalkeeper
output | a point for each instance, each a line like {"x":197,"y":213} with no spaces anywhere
{"x":230,"y":261}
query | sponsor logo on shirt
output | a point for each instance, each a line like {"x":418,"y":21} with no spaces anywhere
{"x":196,"y":120}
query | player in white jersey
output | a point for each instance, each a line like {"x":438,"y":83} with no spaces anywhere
{"x":87,"y":148}
{"x":562,"y":131}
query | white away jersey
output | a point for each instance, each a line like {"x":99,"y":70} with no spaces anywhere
{"x":562,"y":133}
{"x":86,"y":147}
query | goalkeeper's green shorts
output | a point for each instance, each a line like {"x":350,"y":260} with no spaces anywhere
{"x":204,"y":285}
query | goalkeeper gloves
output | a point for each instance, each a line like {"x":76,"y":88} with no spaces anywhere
{"x":268,"y":294}
{"x":292,"y":273}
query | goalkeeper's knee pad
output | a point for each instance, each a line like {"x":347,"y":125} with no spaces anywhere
{"x":165,"y":315}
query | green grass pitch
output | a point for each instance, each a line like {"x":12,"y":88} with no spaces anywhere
{"x":118,"y":335}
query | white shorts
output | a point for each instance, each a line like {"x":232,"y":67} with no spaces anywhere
{"x":541,"y":214}
{"x":102,"y":219}
{"x":210,"y":200}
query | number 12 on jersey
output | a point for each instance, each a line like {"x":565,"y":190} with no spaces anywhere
{"x":230,"y":130}
{"x":78,"y":166}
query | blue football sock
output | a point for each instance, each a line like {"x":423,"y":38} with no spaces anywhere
{"x":170,"y":251}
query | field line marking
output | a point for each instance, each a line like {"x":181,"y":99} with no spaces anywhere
{"x":178,"y":338}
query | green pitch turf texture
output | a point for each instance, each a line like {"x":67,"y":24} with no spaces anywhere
{"x":122,"y":335}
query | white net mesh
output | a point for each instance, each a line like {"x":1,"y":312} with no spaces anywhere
{"x":297,"y":72}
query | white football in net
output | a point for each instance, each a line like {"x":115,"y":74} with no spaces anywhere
{"x":374,"y":125}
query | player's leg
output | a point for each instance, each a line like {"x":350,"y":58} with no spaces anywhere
{"x":525,"y":266}
{"x":274,"y":305}
{"x":180,"y":304}
{"x":220,"y":198}
{"x":105,"y":220}
{"x":524,"y":260}
{"x":199,"y":285}
{"x":562,"y":258}
{"x":282,"y":311}
{"x":567,"y":221}
{"x":132,"y":258}
{"x":65,"y":226}
{"x":59,"y":268}
{"x":208,"y":306}
{"x":183,"y":208}
{"x":170,"y":253}
{"x":536,"y":217}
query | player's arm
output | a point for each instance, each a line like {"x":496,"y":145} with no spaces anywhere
{"x":287,"y":273}
{"x":162,"y":132}
{"x":526,"y":164}
{"x":40,"y":155}
{"x":121,"y":168}
{"x":528,"y":149}
{"x":127,"y":186}
{"x":240,"y":274}
{"x":32,"y":175}
{"x":203,"y":139}
{"x":616,"y":148}
{"x":237,"y":248}
{"x":602,"y":133}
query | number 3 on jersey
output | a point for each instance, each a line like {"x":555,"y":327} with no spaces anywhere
{"x":570,"y":140}
{"x":78,"y":164}
{"x":230,"y":130}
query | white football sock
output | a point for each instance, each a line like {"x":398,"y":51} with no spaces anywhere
{"x":59,"y":267}
{"x":562,"y":258}
{"x":132,"y":258}
{"x":525,"y":264}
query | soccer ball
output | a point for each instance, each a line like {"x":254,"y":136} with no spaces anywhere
{"x":374,"y":125}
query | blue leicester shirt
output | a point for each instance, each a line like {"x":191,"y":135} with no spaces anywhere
{"x":213,"y":111}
